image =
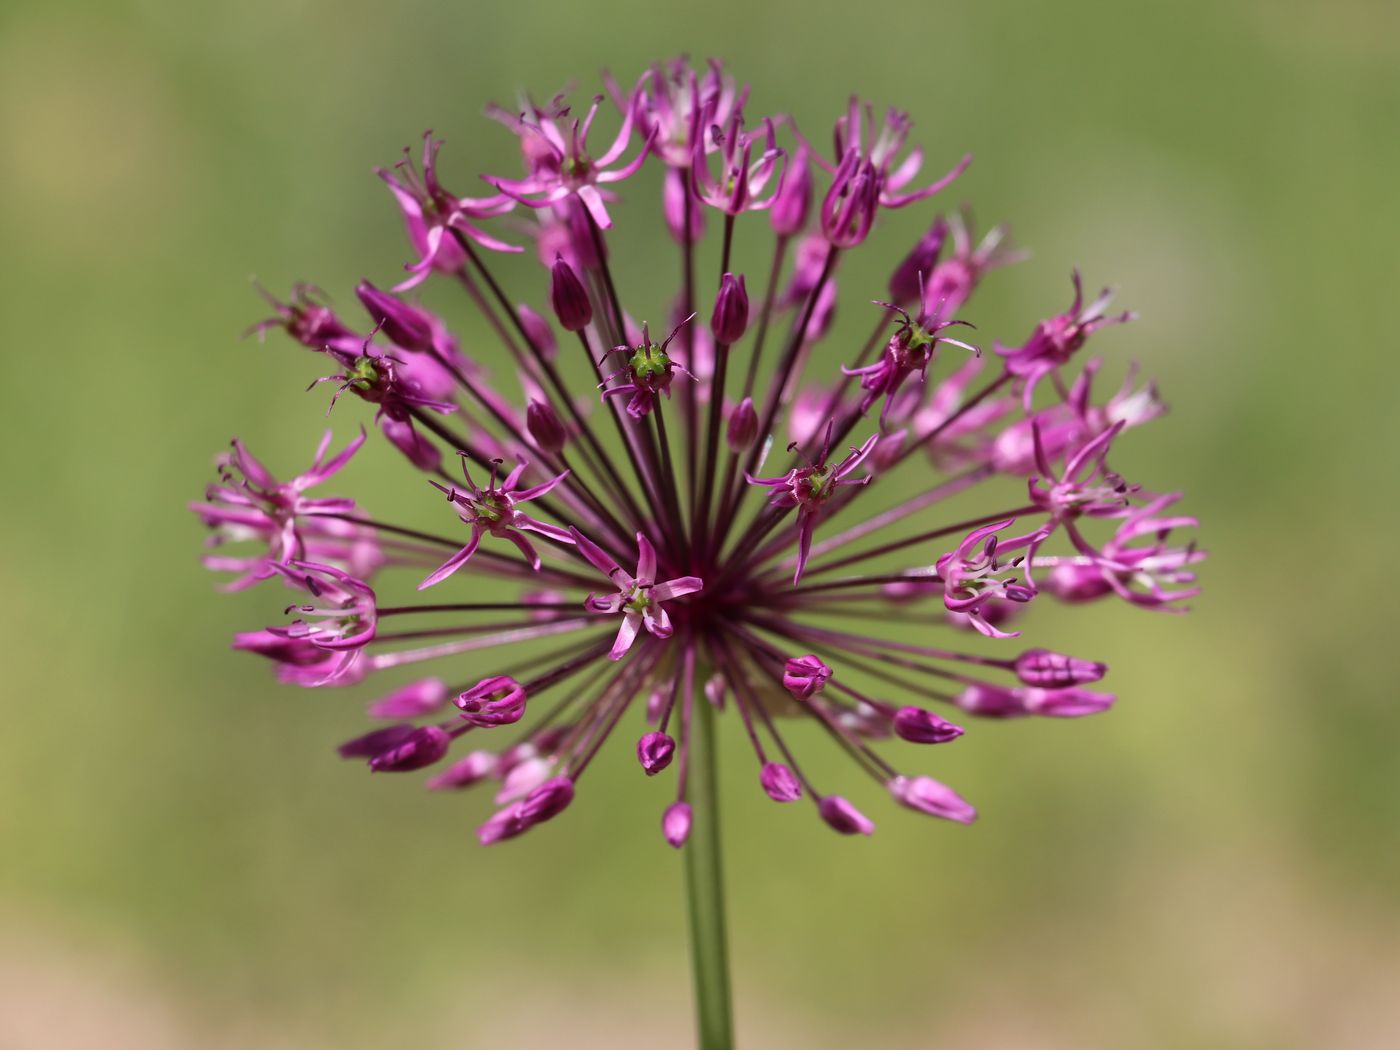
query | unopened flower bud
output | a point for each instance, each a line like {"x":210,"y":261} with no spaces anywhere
{"x":731,"y":314}
{"x":844,"y":817}
{"x":568,"y":297}
{"x":714,"y":691}
{"x":805,"y":676}
{"x":1050,"y":670}
{"x":1078,"y":583}
{"x":654,"y":751}
{"x":919,"y":263}
{"x":376,"y":741}
{"x":1073,"y":702}
{"x":547,"y":801}
{"x":990,"y":701}
{"x":743,"y":426}
{"x":521,"y":776}
{"x":929,"y":796}
{"x":924,"y":727}
{"x":411,"y":701}
{"x":466,"y":771}
{"x":545,"y":426}
{"x":675,"y":195}
{"x":538,"y":331}
{"x":789,"y":212}
{"x":421,"y":748}
{"x":780,"y":784}
{"x":675,"y":823}
{"x":406,"y":326}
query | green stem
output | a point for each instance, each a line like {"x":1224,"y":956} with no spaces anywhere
{"x":705,"y":889}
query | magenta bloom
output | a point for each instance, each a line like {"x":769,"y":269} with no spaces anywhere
{"x":430,"y":214}
{"x":639,"y":597}
{"x":809,"y":488}
{"x":493,"y":511}
{"x":555,"y":147}
{"x":863,"y":578}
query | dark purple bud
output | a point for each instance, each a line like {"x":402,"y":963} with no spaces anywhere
{"x":466,"y":771}
{"x":675,"y":823}
{"x":789,"y":211}
{"x":779,"y":783}
{"x":805,"y":676}
{"x":844,"y":817}
{"x":924,"y":727}
{"x":538,"y":331}
{"x":406,"y":326}
{"x":654,"y":751}
{"x":731,"y":314}
{"x":420,"y":748}
{"x":1050,"y":670}
{"x":1073,"y":702}
{"x":929,"y":796}
{"x":545,"y":427}
{"x":568,"y":297}
{"x":495,"y":701}
{"x":919,"y":263}
{"x":547,"y":801}
{"x":743,"y":426}
{"x":375,"y":742}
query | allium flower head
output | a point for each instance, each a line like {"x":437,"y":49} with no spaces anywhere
{"x":611,"y":566}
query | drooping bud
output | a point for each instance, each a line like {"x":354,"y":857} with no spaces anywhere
{"x":674,"y":196}
{"x":779,"y":783}
{"x":1050,"y":670}
{"x":568,"y":297}
{"x":789,"y":212}
{"x":675,"y":823}
{"x":406,"y":326}
{"x":805,"y":676}
{"x":1073,"y":702}
{"x":495,"y":701}
{"x":466,"y":771}
{"x":924,"y":727}
{"x":919,"y":263}
{"x":654,"y":751}
{"x":929,"y":796}
{"x":743,"y":426}
{"x":731,"y":314}
{"x":538,"y":331}
{"x":844,"y":817}
{"x":545,"y":426}
{"x":411,"y":701}
{"x":421,"y":748}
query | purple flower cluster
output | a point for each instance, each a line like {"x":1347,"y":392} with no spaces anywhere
{"x":657,"y":542}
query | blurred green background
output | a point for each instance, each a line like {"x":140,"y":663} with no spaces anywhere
{"x":183,"y":862}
